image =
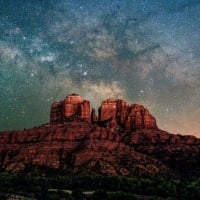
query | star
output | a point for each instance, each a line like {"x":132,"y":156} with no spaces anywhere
{"x":142,"y":51}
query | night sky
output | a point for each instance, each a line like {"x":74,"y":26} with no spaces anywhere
{"x":143,"y":51}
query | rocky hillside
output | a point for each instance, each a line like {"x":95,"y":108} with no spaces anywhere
{"x":122,"y":139}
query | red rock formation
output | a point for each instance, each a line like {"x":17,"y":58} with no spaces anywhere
{"x":71,"y":105}
{"x":56,"y":112}
{"x":84,"y":110}
{"x":123,"y":140}
{"x":125,"y":115}
{"x":139,"y":117}
{"x":94,"y":118}
{"x":131,"y":117}
{"x":108,"y":109}
{"x":113,"y":108}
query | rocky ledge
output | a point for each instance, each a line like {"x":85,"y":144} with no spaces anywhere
{"x":122,"y":140}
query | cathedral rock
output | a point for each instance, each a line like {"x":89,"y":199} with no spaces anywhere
{"x":129,"y":117}
{"x":119,"y":139}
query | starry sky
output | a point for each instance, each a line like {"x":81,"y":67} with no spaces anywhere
{"x":143,"y":51}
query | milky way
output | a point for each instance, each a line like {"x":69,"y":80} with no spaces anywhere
{"x":147,"y":52}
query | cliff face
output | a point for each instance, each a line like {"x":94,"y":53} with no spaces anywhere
{"x":127,"y":116}
{"x":122,"y":140}
{"x":71,"y":105}
{"x":116,"y":110}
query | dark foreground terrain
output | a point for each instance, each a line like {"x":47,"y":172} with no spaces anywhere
{"x":21,"y":186}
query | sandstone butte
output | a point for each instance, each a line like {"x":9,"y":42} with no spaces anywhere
{"x":122,"y":139}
